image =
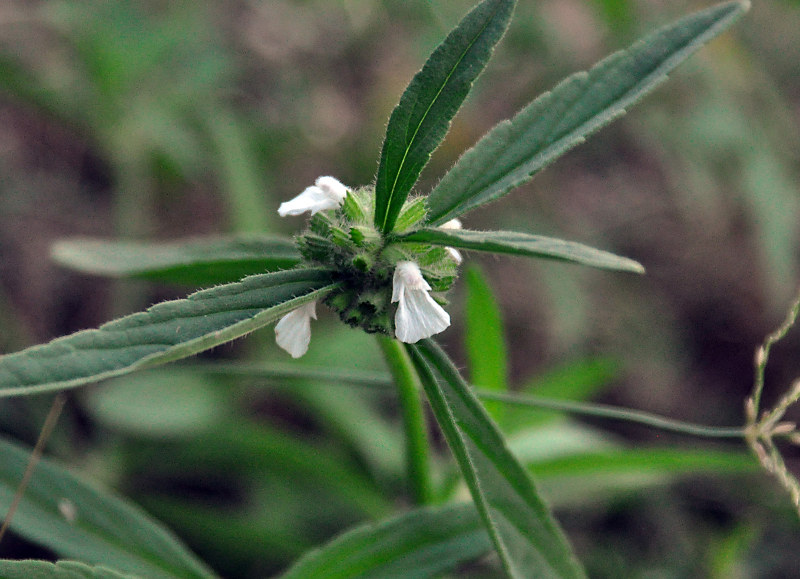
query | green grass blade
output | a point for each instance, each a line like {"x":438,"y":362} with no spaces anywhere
{"x":515,"y":150}
{"x":207,"y":261}
{"x":422,"y":118}
{"x":487,"y":358}
{"x":167,"y":331}
{"x":79,"y":521}
{"x":526,"y":537}
{"x":514,"y":243}
{"x":33,"y":569}
{"x":415,"y":545}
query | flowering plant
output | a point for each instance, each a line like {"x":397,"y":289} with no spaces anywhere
{"x":382,"y":257}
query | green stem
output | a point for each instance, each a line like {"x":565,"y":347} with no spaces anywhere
{"x":408,"y":389}
{"x":372,"y":380}
{"x":604,"y":411}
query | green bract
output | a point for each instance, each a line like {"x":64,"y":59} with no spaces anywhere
{"x":363,"y":262}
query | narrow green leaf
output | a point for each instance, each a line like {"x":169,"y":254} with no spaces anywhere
{"x":167,"y":331}
{"x":514,"y":243}
{"x":421,"y":119}
{"x":418,"y":544}
{"x":77,"y":520}
{"x":32,"y":569}
{"x":527,"y":538}
{"x":586,"y":478}
{"x":665,"y":461}
{"x":515,"y":150}
{"x":192,"y":262}
{"x":484,"y":340}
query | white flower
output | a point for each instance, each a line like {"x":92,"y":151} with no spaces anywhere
{"x":325,"y":193}
{"x":454,"y":253}
{"x":293,"y":331}
{"x":418,"y":315}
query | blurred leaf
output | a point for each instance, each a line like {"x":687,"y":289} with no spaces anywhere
{"x":646,"y":461}
{"x":206,"y":261}
{"x":584,"y":478}
{"x":421,"y":119}
{"x":618,"y":14}
{"x":577,"y":380}
{"x":727,"y":558}
{"x":77,"y":520}
{"x":514,"y":243}
{"x":20,"y":83}
{"x":243,"y":183}
{"x":240,"y":447}
{"x":166,"y":332}
{"x":512,"y":152}
{"x":528,"y":540}
{"x":61,"y":570}
{"x":485,"y":342}
{"x":159,"y":403}
{"x":418,"y":544}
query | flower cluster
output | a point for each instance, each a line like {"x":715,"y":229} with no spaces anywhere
{"x":372,"y":275}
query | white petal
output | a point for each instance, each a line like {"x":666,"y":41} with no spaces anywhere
{"x":293,"y":331}
{"x":326,"y":193}
{"x":455,"y":254}
{"x":418,"y":315}
{"x":407,"y":275}
{"x":312,"y":199}
{"x":333,"y":188}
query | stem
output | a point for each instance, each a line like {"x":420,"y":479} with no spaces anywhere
{"x":604,"y":411}
{"x":408,"y":389}
{"x":372,"y":379}
{"x":762,"y":355}
{"x":47,"y":429}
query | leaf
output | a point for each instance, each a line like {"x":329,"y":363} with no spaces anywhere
{"x":514,"y":243}
{"x":512,"y":152}
{"x":663,"y":461}
{"x":164,"y":403}
{"x":421,"y":543}
{"x":165,"y":332}
{"x":243,"y":448}
{"x":575,"y":380}
{"x":77,"y":520}
{"x":421,"y":119}
{"x":528,"y":540}
{"x":30,"y":569}
{"x":192,"y":262}
{"x":484,"y":340}
{"x":588,"y":477}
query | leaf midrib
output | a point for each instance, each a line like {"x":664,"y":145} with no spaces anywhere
{"x":393,"y":190}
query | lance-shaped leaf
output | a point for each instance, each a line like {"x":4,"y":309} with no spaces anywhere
{"x":528,"y":540}
{"x":421,"y":119}
{"x":515,"y":150}
{"x":515,"y":243}
{"x":192,"y":262}
{"x":77,"y":520}
{"x":167,"y":331}
{"x":35,"y":569}
{"x":421,"y":543}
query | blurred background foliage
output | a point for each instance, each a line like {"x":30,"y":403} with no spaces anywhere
{"x":161,"y":119}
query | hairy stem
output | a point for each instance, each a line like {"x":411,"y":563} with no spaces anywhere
{"x":408,"y":389}
{"x":604,"y":411}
